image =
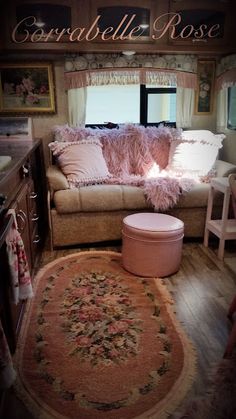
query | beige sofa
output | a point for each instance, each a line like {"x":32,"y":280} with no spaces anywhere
{"x":94,"y":213}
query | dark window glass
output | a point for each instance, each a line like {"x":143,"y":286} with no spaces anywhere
{"x":158,"y":105}
{"x":48,"y":16}
{"x":113,"y":15}
{"x":200,"y":17}
{"x":231,"y":123}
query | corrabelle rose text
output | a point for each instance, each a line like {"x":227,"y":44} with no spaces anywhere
{"x":122,"y":32}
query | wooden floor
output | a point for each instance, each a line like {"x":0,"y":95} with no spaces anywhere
{"x":202,"y":291}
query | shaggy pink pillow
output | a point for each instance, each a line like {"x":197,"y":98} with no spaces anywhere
{"x":63,"y":133}
{"x":82,"y":162}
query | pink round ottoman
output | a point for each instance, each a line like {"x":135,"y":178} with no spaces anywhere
{"x":152,"y":244}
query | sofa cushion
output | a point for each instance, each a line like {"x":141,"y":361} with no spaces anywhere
{"x":196,"y":197}
{"x":121,"y":197}
{"x":82,"y":162}
{"x":100,"y":198}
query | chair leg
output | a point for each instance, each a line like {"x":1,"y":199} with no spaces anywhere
{"x":232,"y":309}
{"x":231,"y":342}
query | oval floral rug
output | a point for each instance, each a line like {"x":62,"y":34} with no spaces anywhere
{"x":100,"y":343}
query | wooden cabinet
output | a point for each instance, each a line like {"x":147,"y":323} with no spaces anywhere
{"x":28,"y":204}
{"x":23,"y":184}
{"x":79,"y":27}
{"x":26,"y":19}
{"x":21,"y":208}
{"x":120,"y":15}
{"x":33,"y":221}
{"x":202,"y":23}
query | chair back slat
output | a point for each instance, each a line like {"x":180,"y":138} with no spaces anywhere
{"x":232,"y":183}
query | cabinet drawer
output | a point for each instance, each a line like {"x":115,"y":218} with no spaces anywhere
{"x":33,"y":220}
{"x":21,"y":207}
{"x":17,"y":312}
{"x":35,"y":244}
{"x":23,"y":182}
{"x":32,"y":196}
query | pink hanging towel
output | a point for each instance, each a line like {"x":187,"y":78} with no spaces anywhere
{"x":19,"y":271}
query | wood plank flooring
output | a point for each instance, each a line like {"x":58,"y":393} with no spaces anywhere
{"x":202,"y":291}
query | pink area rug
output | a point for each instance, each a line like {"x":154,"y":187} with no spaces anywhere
{"x":100,"y":343}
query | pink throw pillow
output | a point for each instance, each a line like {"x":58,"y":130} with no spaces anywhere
{"x":82,"y":162}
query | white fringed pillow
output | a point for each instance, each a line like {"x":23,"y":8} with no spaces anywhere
{"x":82,"y":162}
{"x":195,"y":153}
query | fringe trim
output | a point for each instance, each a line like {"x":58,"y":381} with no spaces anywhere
{"x":86,"y":181}
{"x":166,"y":77}
{"x":164,"y":408}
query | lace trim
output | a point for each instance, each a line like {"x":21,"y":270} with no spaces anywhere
{"x":57,"y":146}
{"x":87,"y":181}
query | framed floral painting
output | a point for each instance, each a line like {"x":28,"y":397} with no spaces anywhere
{"x":205,"y":87}
{"x":26,"y":88}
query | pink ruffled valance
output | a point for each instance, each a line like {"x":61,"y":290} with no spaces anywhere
{"x":227,"y":79}
{"x":78,"y":79}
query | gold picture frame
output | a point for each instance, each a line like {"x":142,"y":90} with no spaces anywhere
{"x":205,"y":87}
{"x":26,"y":88}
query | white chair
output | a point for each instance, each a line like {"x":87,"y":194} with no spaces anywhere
{"x":232,"y":183}
{"x":232,"y":310}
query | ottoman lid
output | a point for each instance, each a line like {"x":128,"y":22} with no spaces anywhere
{"x":153,"y":222}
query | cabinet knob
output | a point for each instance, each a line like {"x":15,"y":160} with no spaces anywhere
{"x":36,"y":239}
{"x":3,"y":199}
{"x":35,"y":217}
{"x":33,"y":195}
{"x":25,"y":170}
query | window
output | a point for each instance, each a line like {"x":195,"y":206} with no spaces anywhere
{"x":231,"y":122}
{"x":112,"y":103}
{"x":121,"y":104}
{"x":158,"y":104}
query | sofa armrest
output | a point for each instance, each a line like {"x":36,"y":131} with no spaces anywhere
{"x":224,"y":169}
{"x":56,"y":179}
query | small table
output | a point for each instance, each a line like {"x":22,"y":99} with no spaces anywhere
{"x":225,"y":228}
